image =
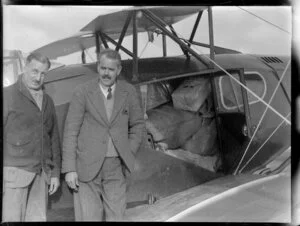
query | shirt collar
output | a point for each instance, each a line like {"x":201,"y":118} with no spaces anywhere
{"x":36,"y":92}
{"x":104,"y":89}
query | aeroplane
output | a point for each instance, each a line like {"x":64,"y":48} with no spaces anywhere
{"x":243,"y":120}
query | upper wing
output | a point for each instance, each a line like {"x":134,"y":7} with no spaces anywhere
{"x":112,"y":25}
{"x":72,"y":44}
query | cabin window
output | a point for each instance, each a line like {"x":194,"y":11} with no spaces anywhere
{"x":230,"y":90}
{"x":11,"y":71}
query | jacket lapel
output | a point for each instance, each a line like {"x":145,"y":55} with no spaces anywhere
{"x":120,"y":96}
{"x":96,"y":98}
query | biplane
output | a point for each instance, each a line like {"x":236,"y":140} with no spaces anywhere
{"x":226,"y":156}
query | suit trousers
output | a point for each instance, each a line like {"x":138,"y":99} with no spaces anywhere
{"x":103,"y":198}
{"x":27,"y":202}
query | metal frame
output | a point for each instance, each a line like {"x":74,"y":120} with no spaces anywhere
{"x":245,"y":101}
{"x":211,"y":37}
{"x":195,"y":28}
{"x":134,"y":48}
{"x":157,"y":21}
{"x":164,"y":41}
{"x":211,"y":78}
{"x":105,"y":36}
{"x":122,"y":35}
{"x":97,"y":46}
{"x":240,"y":72}
{"x":190,"y":74}
{"x":83,"y":58}
{"x":103,"y":40}
{"x":186,"y":49}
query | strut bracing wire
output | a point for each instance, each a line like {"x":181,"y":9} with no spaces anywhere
{"x":250,"y":91}
{"x":89,"y":55}
{"x":265,"y":20}
{"x":263,"y":143}
{"x":144,"y":49}
{"x":268,"y":106}
{"x":262,"y":117}
{"x":241,"y":84}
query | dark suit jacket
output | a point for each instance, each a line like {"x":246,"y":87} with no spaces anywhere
{"x":87,"y":128}
{"x":30,"y":138}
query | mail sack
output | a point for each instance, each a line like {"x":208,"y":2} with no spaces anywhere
{"x":172,"y":126}
{"x":157,"y":94}
{"x":191,"y":94}
{"x":204,"y":141}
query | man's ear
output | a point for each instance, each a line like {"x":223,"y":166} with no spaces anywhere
{"x":98,"y":67}
{"x":119,"y":69}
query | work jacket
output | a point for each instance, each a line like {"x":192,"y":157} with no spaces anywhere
{"x":30,"y":138}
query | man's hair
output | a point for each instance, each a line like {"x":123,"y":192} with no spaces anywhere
{"x":111,"y":54}
{"x":39,"y":57}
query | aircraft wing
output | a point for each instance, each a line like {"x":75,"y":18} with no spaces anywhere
{"x":112,"y":23}
{"x":72,"y":44}
{"x":240,"y":198}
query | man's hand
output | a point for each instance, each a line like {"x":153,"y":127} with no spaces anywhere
{"x":54,"y":184}
{"x":72,"y":180}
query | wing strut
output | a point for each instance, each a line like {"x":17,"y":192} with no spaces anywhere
{"x":103,"y":40}
{"x":184,"y":50}
{"x":83,"y":58}
{"x":159,"y":23}
{"x":124,"y":30}
{"x":115,"y":43}
{"x":164,"y":45}
{"x":212,"y":66}
{"x":195,"y":28}
{"x":211,"y":38}
{"x":135,"y":49}
{"x":97,"y":46}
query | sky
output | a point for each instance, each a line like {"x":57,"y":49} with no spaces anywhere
{"x":27,"y":28}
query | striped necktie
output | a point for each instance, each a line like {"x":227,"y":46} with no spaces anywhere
{"x":109,"y":95}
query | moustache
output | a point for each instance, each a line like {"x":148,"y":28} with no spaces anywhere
{"x":106,"y":77}
{"x":37,"y":82}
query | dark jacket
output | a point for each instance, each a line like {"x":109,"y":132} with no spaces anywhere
{"x":30,"y":137}
{"x":87,"y":128}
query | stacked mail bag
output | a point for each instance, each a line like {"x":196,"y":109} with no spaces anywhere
{"x":182,"y":117}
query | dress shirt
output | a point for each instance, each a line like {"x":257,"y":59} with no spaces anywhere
{"x":37,"y":96}
{"x":104,"y":89}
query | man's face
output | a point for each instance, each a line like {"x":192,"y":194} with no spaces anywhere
{"x":108,"y":69}
{"x":34,"y":73}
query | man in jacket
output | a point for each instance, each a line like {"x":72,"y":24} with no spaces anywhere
{"x":31,"y":145}
{"x":103,"y":132}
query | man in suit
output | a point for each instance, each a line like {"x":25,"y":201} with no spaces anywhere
{"x":31,"y":148}
{"x":103,"y":131}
